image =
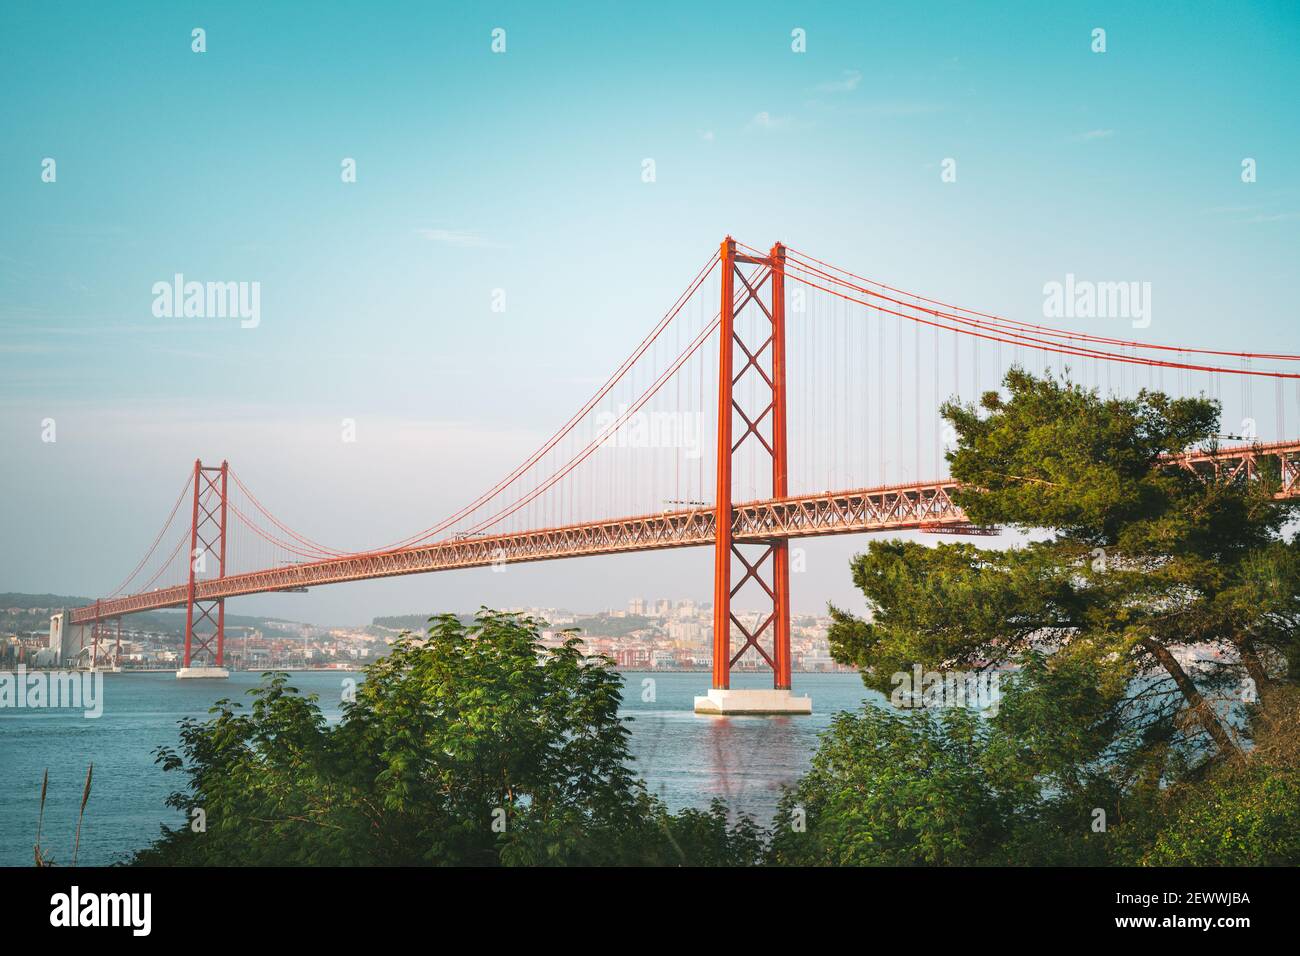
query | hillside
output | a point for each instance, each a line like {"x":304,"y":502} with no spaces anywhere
{"x":20,"y":613}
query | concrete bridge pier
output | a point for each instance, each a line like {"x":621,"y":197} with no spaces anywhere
{"x":756,"y":701}
{"x":67,"y":639}
{"x":191,"y":673}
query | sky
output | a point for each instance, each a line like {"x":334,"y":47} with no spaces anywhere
{"x":522,"y":170}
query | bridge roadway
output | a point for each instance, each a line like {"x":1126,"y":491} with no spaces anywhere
{"x":896,"y":508}
{"x":926,"y":506}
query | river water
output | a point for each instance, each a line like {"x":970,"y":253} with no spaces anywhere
{"x":684,"y":759}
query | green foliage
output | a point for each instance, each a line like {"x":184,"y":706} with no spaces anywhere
{"x":413,"y":622}
{"x":1245,"y":812}
{"x":1247,"y":818}
{"x":475,"y":747}
{"x":892,"y":790}
{"x":705,"y":838}
{"x":1141,"y":562}
{"x":958,"y":787}
{"x":609,"y":626}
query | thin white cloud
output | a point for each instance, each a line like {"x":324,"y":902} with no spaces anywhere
{"x":847,"y":83}
{"x":897,"y":108}
{"x":1273,"y":217}
{"x":462,"y":240}
{"x":878,"y":109}
{"x":1094,"y":134}
{"x":766,"y":121}
{"x":1251,"y":213}
{"x":1223,"y":210}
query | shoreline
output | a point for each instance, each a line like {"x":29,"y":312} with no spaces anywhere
{"x":357,"y":670}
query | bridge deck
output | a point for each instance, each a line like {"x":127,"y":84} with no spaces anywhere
{"x":925,"y":506}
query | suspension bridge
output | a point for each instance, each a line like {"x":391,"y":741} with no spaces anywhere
{"x":779,"y":398}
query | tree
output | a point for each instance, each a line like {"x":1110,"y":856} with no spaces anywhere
{"x":1142,"y":565}
{"x":955,"y":786}
{"x":891,"y":790}
{"x":1144,"y":561}
{"x":1245,"y":812}
{"x":477,"y":746}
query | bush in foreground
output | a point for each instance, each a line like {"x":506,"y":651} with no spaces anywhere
{"x":476,"y":746}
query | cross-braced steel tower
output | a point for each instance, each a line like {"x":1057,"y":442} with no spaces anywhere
{"x":205,"y":620}
{"x":757,"y":331}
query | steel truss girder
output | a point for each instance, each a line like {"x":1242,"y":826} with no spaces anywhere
{"x":1242,"y":463}
{"x":925,"y":506}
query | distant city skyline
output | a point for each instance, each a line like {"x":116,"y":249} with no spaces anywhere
{"x":667,"y":635}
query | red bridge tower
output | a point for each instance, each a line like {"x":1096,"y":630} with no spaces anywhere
{"x":759,"y":335}
{"x":205,"y":621}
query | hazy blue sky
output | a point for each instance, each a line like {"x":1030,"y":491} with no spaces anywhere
{"x":522,"y":171}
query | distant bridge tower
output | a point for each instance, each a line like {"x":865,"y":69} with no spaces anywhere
{"x":759,"y":335}
{"x":205,"y":620}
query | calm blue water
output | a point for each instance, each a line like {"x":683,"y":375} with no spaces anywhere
{"x":685,"y":759}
